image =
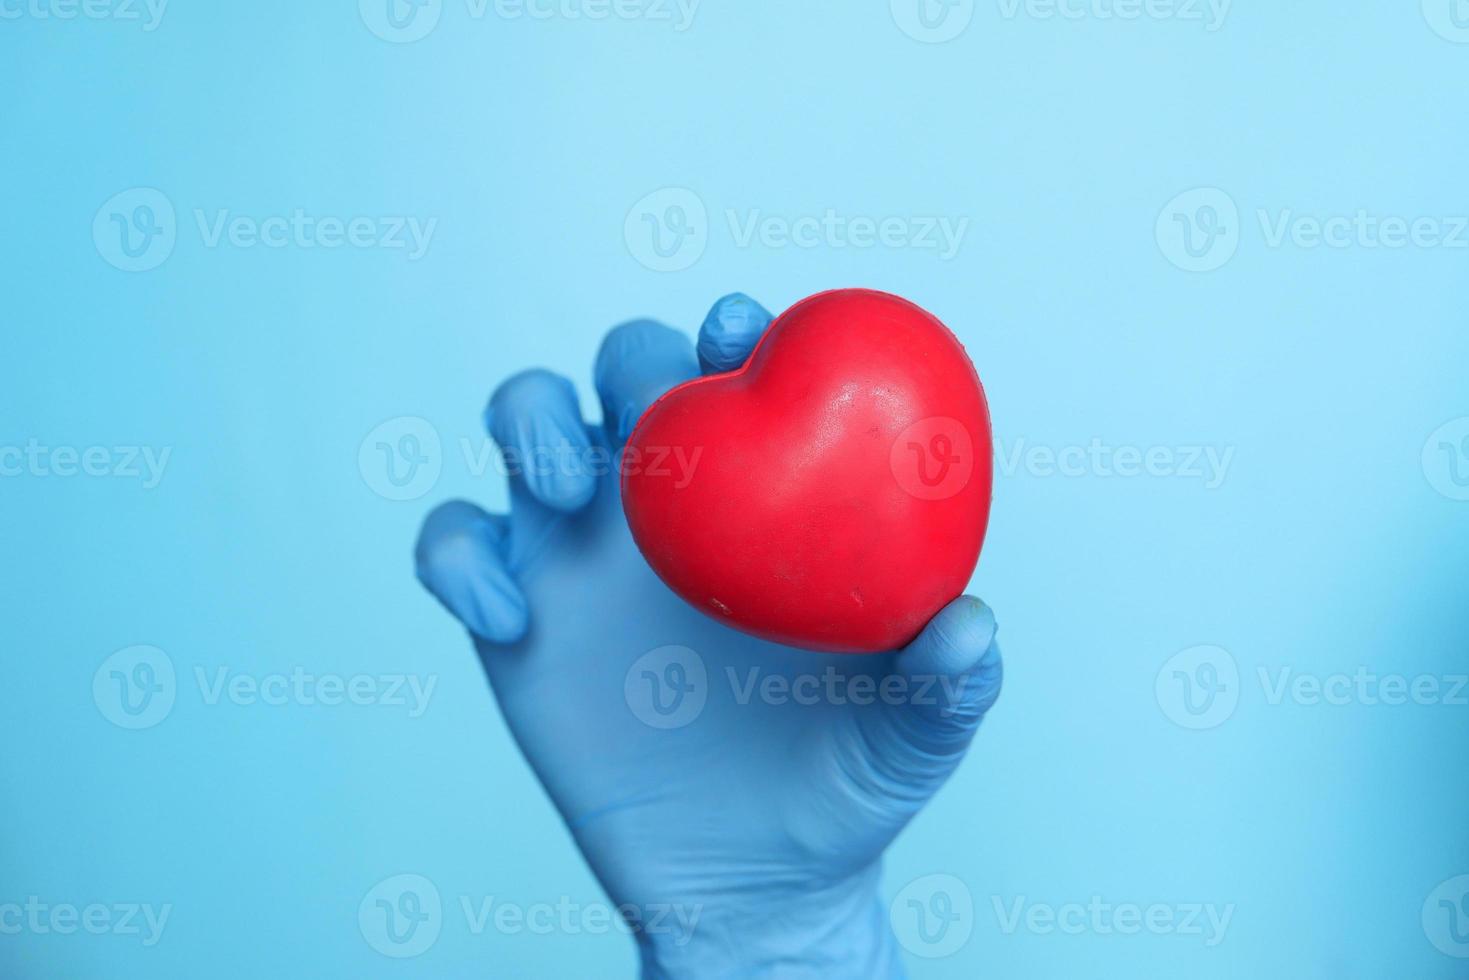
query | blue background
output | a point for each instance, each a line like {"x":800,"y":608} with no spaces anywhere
{"x":265,"y":547}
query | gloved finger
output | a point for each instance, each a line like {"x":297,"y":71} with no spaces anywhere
{"x":950,"y":677}
{"x":460,"y":560}
{"x":535,"y":419}
{"x":636,"y":364}
{"x":730,"y":332}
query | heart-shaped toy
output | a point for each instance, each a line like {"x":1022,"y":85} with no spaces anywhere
{"x":832,"y":493}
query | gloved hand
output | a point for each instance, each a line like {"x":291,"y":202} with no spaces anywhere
{"x":737,"y":791}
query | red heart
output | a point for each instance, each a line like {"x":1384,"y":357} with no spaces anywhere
{"x":832,"y":493}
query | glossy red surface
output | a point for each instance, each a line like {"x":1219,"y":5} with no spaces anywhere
{"x":831,"y":494}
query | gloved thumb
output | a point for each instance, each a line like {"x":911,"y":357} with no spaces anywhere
{"x":950,"y":677}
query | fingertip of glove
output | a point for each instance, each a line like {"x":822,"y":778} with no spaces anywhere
{"x":956,"y":638}
{"x":629,"y":342}
{"x":734,"y":325}
{"x":535,"y":420}
{"x":457,"y":561}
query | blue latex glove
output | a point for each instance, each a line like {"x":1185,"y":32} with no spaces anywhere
{"x":750,"y":817}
